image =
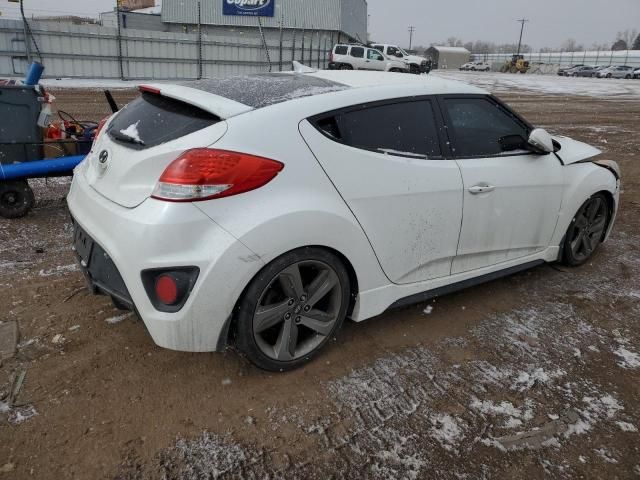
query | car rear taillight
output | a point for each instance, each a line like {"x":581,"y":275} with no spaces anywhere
{"x":205,"y":174}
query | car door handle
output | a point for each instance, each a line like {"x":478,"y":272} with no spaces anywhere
{"x":476,"y":189}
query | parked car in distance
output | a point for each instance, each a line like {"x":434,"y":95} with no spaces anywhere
{"x":267,"y":209}
{"x":481,"y":67}
{"x":584,"y":71}
{"x":466,"y":66}
{"x":359,"y":57}
{"x":636,"y":73}
{"x":415,"y":64}
{"x":616,"y":71}
{"x":562,"y":71}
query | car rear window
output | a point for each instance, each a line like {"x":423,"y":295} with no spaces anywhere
{"x":405,"y":129}
{"x":341,"y":50}
{"x":357,"y":52}
{"x":151,"y":120}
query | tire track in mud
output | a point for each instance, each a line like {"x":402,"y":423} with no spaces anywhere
{"x":523,"y":391}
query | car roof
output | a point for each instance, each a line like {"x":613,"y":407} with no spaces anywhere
{"x":250,"y":92}
{"x":431,"y":85}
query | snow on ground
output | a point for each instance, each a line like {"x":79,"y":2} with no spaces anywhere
{"x":547,"y":84}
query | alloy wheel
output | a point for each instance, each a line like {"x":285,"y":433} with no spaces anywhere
{"x":588,"y":228}
{"x":297,"y":310}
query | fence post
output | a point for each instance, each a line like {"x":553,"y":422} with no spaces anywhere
{"x":598,"y":56}
{"x":302,"y":49}
{"x":293,"y":46}
{"x":281,"y":33}
{"x":311,"y":47}
{"x":319,"y":48}
{"x":120,"y":67}
{"x":324,"y":56}
{"x":199,"y":41}
{"x":264,"y":43}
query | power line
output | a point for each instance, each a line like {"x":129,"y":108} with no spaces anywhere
{"x":412,"y":29}
{"x":522,"y":21}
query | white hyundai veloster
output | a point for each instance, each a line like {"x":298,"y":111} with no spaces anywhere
{"x":266,"y":209}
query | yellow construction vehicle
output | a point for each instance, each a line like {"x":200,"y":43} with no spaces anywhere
{"x":517,"y":65}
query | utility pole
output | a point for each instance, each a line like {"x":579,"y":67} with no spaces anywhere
{"x":522,"y":21}
{"x":412,"y":29}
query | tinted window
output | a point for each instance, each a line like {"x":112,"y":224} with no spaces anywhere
{"x":404,"y":129}
{"x":378,"y":47}
{"x":374,"y":55}
{"x":342,"y":50}
{"x":151,"y":120}
{"x":483,"y":128}
{"x":392,"y":51}
{"x":357,"y":52}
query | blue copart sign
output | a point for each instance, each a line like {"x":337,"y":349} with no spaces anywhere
{"x":252,"y":8}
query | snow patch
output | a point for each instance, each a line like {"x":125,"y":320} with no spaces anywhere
{"x":132,"y":132}
{"x":118,"y":318}
{"x":628,"y":359}
{"x":447,"y":430}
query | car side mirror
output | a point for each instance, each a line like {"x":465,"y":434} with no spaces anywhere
{"x":541,"y":141}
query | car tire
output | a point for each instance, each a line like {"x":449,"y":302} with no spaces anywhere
{"x":628,"y":77}
{"x":586,"y":231}
{"x":346,"y":67}
{"x":292,"y":308}
{"x":574,"y":75}
{"x":16,"y":198}
{"x":414,"y":69}
{"x":609,"y":75}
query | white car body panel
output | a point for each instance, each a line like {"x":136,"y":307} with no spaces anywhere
{"x":410,"y":208}
{"x":514,"y":220}
{"x":575,"y":151}
{"x":131,"y":175}
{"x":315,"y":201}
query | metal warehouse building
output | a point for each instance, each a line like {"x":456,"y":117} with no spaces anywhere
{"x":344,"y":17}
{"x":188,"y":39}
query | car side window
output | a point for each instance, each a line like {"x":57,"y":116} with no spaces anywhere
{"x":374,"y":55}
{"x":392,"y":51}
{"x":405,"y":129}
{"x":483,"y":128}
{"x":342,"y":50}
{"x":357,"y":52}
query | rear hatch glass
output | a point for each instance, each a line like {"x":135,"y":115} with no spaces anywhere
{"x":152,"y":120}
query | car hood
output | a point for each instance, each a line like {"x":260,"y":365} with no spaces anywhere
{"x":573,"y":151}
{"x":414,"y":59}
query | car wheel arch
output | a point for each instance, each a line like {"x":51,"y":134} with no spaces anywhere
{"x":589,"y":180}
{"x":228,"y":333}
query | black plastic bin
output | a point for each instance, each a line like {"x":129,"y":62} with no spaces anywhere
{"x":20,"y":107}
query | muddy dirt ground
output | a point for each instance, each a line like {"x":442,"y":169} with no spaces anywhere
{"x":537,"y":375}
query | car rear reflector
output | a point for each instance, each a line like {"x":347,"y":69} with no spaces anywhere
{"x":205,"y":174}
{"x":166,"y":289}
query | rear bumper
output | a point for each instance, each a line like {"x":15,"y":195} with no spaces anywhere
{"x":165,"y":235}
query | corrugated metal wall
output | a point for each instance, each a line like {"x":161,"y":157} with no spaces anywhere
{"x":89,"y":51}
{"x":348,"y":16}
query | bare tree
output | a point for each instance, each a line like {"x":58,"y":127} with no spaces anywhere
{"x":570,"y":45}
{"x":627,"y":35}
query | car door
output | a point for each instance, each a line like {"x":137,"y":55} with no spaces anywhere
{"x":512,"y":196}
{"x":357,"y":55}
{"x":375,"y":61}
{"x":385,"y":160}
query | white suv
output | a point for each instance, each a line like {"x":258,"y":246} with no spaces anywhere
{"x":414,"y":63}
{"x":359,"y":57}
